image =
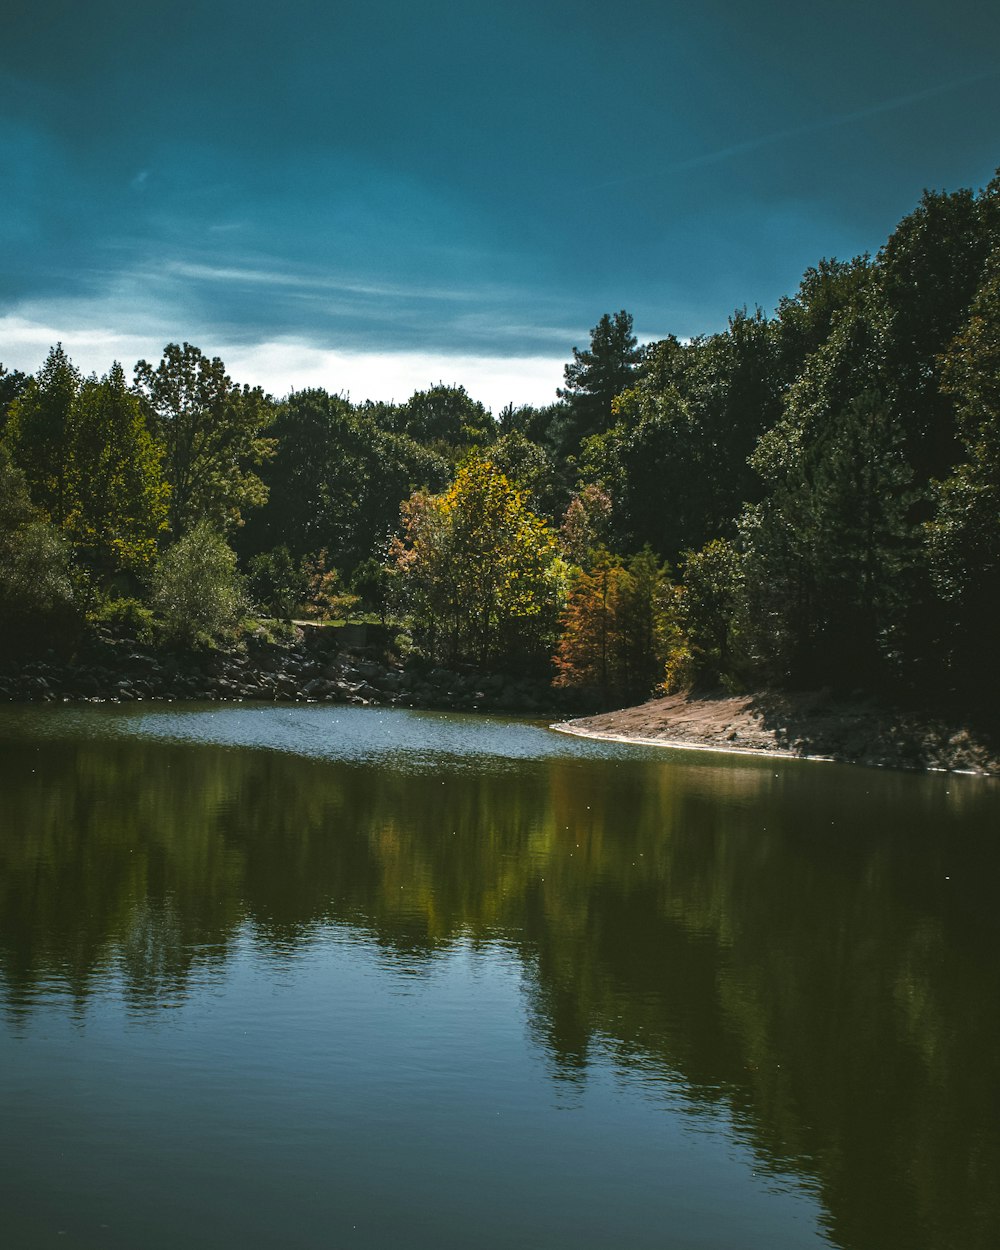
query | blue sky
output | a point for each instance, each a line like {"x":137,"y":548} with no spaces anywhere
{"x":378,"y":196}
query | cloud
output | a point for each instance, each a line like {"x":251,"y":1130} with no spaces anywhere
{"x":281,"y":364}
{"x":891,"y":105}
{"x":263,"y":275}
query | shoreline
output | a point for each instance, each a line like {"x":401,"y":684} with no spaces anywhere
{"x":679,"y":744}
{"x":813,"y":725}
{"x":312,"y":668}
{"x":809,"y":725}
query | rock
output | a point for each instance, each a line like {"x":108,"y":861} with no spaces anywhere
{"x":317,"y":688}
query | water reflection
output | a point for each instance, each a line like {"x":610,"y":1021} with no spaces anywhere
{"x":810,"y":950}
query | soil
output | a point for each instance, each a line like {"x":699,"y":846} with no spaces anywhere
{"x":811,"y":725}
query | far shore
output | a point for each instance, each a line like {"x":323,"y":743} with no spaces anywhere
{"x":815,"y":725}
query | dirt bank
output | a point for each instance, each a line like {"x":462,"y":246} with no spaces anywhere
{"x":805,"y":725}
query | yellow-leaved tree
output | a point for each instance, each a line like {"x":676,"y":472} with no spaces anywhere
{"x":480,"y":573}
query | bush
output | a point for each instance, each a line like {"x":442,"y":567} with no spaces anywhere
{"x":277,"y":583}
{"x":123,"y":618}
{"x":38,"y":606}
{"x":197,"y":589}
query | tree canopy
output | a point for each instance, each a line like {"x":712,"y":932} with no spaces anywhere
{"x":826,"y":481}
{"x":478,"y":567}
{"x":212,"y":432}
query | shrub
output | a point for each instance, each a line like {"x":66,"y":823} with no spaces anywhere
{"x":37,"y":601}
{"x":197,"y":589}
{"x":277,"y":583}
{"x":123,"y":618}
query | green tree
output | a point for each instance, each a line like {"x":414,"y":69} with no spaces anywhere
{"x":832,"y":551}
{"x":708,"y":647}
{"x":675,"y":460}
{"x":196,"y":587}
{"x":372,"y":582}
{"x":806,"y":319}
{"x":305,"y":492}
{"x":337,"y":480}
{"x":929,"y":271}
{"x":448,"y":420}
{"x":116,"y":493}
{"x":478,"y":569}
{"x":964,"y":535}
{"x":212,"y":432}
{"x":529,"y":466}
{"x":39,"y":432}
{"x":596,"y":375}
{"x":277,"y":583}
{"x":37,"y":601}
{"x":12,"y":383}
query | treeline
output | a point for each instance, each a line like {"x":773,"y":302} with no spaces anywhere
{"x":811,"y":498}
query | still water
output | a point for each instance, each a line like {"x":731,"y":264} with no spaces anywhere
{"x":313,"y":977}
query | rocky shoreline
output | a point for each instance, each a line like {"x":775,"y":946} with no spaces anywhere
{"x":311,"y":668}
{"x":314,"y":667}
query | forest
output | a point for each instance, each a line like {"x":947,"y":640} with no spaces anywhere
{"x":804,"y":499}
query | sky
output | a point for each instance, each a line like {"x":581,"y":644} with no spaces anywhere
{"x":381,"y":195}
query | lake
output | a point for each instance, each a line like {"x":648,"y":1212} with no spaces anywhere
{"x":321,"y":977}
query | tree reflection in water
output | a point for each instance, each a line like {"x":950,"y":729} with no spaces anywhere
{"x":814,"y":949}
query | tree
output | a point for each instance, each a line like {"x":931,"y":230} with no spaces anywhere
{"x":586,"y":523}
{"x":38,"y":431}
{"x":116,"y":493}
{"x":964,"y":536}
{"x":712,"y":596}
{"x":12,"y":383}
{"x":587,"y":654}
{"x":806,"y":319}
{"x":372,"y":583}
{"x":212,"y":432}
{"x":478,"y":568}
{"x":615,"y":627}
{"x":447,"y":419}
{"x":337,"y":480}
{"x":37,"y":603}
{"x":675,"y":460}
{"x":831,"y":552}
{"x":530,"y":467}
{"x":277,"y":583}
{"x":302,"y":478}
{"x":196,"y":588}
{"x":597,"y":375}
{"x":929,"y":270}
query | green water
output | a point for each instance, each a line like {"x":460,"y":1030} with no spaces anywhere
{"x":313,"y":977}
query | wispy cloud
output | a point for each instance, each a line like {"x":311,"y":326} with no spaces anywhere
{"x":833,"y":122}
{"x":292,"y":280}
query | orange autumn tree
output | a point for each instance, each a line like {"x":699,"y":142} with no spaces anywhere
{"x":479,"y":571}
{"x":617,"y":626}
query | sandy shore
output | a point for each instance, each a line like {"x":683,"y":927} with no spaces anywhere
{"x":802,"y":725}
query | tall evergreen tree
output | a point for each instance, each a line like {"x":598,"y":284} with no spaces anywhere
{"x":596,"y":375}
